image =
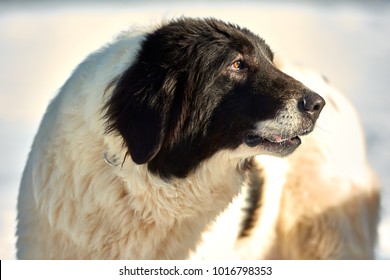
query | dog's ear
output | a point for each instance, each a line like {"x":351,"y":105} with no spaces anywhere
{"x":139,"y":110}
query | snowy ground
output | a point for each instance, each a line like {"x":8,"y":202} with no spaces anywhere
{"x":40,"y":45}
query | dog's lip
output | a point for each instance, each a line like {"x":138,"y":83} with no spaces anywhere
{"x":253,"y":139}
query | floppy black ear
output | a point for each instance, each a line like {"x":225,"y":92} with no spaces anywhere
{"x":139,"y":109}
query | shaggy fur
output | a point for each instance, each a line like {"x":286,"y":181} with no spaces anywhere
{"x":153,"y":137}
{"x":321,"y":202}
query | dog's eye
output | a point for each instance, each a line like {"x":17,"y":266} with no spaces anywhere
{"x":237,"y":65}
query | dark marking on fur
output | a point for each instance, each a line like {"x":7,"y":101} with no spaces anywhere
{"x":333,"y":103}
{"x":325,"y":78}
{"x":253,"y":201}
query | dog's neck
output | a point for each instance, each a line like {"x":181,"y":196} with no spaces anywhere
{"x":179,"y":207}
{"x":209,"y":187}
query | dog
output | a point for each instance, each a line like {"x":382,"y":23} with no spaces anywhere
{"x":160,"y":134}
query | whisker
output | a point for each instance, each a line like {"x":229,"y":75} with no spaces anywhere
{"x":317,"y":126}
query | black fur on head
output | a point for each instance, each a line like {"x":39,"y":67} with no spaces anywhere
{"x":196,"y":86}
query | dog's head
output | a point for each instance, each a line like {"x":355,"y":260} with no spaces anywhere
{"x":200,"y":86}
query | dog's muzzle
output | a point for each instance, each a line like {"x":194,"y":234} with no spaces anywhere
{"x":281,"y":136}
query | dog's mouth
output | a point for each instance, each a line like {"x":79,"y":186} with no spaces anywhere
{"x":280,"y":145}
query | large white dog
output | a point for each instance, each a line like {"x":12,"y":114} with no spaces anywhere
{"x":182,"y":142}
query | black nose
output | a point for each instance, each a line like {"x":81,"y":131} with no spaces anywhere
{"x":313,"y":104}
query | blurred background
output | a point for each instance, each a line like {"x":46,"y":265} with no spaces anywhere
{"x":41,"y":42}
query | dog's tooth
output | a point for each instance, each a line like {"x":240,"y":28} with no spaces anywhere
{"x":277,"y":139}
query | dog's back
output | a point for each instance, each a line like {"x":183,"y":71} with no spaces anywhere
{"x":68,"y":145}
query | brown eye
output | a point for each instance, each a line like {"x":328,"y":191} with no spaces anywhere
{"x":237,"y":65}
